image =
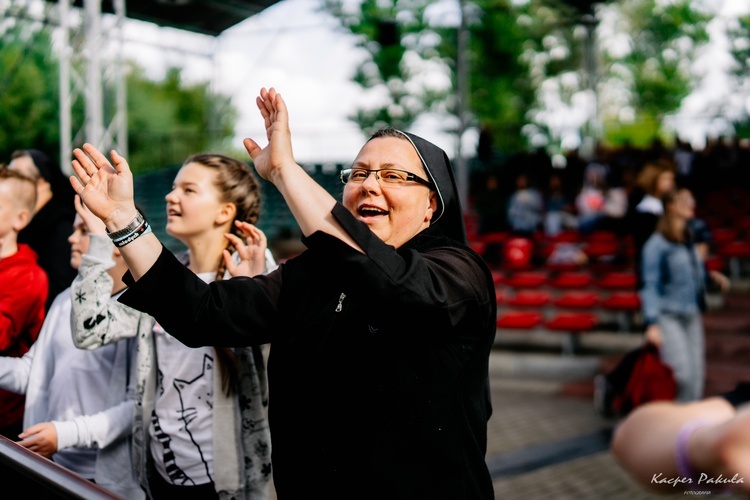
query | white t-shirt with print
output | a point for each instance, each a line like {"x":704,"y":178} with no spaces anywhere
{"x":181,"y":426}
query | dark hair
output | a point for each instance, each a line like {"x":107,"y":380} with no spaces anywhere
{"x":387,"y":132}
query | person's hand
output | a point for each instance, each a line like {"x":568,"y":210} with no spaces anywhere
{"x":653,"y":335}
{"x":720,"y":279}
{"x":269,"y":160}
{"x":40,"y":438}
{"x":94,"y":224}
{"x":252,"y":251}
{"x":106,"y":190}
{"x":724,"y":449}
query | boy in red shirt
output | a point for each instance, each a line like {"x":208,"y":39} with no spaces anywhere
{"x":23,"y":288}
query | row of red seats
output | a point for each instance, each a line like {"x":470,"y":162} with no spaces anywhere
{"x":610,"y":280}
{"x":569,"y":250}
{"x":567,"y":302}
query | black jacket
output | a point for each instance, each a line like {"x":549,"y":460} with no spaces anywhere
{"x":47,"y":234}
{"x":378,"y":369}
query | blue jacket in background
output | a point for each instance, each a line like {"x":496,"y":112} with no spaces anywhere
{"x":673,"y":278}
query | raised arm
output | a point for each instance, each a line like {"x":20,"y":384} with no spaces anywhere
{"x":707,"y":437}
{"x":309,"y":202}
{"x":95,"y":319}
{"x":107,"y":191}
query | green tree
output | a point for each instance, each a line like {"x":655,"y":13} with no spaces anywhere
{"x":739,"y":36}
{"x":167,"y":119}
{"x":500,"y":91}
{"x":638,"y":71}
{"x":403,"y":44}
{"x":664,"y":39}
{"x":28,"y":92}
{"x":529,"y":63}
{"x":400,"y":46}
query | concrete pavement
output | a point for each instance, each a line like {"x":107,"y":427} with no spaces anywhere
{"x":546,"y":441}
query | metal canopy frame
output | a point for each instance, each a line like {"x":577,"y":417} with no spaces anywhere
{"x":83,"y":75}
{"x":92,"y":57}
{"x":209,"y":17}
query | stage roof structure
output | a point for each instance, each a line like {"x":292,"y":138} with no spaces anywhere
{"x":208,"y":17}
{"x":85,"y":71}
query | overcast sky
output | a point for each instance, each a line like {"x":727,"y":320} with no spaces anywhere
{"x":292,"y":46}
{"x":310,"y":60}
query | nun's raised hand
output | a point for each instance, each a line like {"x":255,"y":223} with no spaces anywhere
{"x":105,"y":189}
{"x":278,"y":153}
{"x":252,"y":251}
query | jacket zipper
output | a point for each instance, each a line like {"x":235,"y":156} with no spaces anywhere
{"x":341,"y":302}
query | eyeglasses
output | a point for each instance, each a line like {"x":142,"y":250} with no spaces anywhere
{"x":385,"y":176}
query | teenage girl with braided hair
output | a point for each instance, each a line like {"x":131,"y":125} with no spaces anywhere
{"x":201,"y":431}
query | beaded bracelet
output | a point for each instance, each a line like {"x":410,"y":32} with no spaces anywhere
{"x":132,"y":226}
{"x":684,"y":467}
{"x":144,"y":228}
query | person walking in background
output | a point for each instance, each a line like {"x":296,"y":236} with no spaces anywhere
{"x":380,"y":331}
{"x":79,"y":404}
{"x":672,"y":296}
{"x":201,"y":429}
{"x":23,"y":288}
{"x":52,"y":218}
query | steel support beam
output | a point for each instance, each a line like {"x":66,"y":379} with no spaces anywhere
{"x":92,"y":66}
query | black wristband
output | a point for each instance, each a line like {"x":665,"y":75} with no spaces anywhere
{"x":134,"y":224}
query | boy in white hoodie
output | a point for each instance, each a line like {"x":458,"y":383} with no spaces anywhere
{"x":79,"y":404}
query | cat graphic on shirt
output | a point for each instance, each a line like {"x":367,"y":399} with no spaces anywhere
{"x":198,"y":403}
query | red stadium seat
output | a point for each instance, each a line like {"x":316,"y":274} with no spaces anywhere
{"x":529,"y":298}
{"x":526,"y":279}
{"x":715,"y":263}
{"x":736,"y":252}
{"x":497,"y":276}
{"x":626,"y":305}
{"x":576,"y":300}
{"x":617,"y":281}
{"x":722,"y":235}
{"x":622,"y":301}
{"x":519,"y":320}
{"x":572,"y":279}
{"x":517,"y":253}
{"x":572,"y":324}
